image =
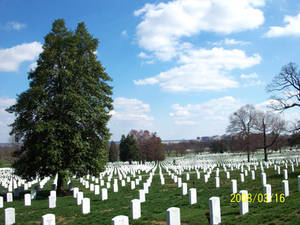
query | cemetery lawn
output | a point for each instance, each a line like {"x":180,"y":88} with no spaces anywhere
{"x":162,"y":197}
{"x":4,"y":163}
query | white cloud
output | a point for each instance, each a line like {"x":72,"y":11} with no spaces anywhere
{"x":129,"y":114}
{"x":251,"y":80}
{"x":13,"y":25}
{"x":292,"y":27}
{"x":11,"y":58}
{"x":130,"y":109}
{"x":203,"y":70}
{"x":124,"y":33}
{"x":227,"y":41}
{"x":249,"y":76}
{"x":164,"y":24}
{"x":143,"y":55}
{"x":210,"y":112}
{"x":33,"y":66}
{"x":5,"y":118}
{"x":253,"y":83}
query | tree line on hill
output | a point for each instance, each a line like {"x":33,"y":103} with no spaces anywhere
{"x":137,"y":145}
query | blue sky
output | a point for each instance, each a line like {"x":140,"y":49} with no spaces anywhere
{"x":179,"y":68}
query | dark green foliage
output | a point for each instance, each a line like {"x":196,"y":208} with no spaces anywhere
{"x":61,"y":119}
{"x":129,"y":150}
{"x":113,"y":154}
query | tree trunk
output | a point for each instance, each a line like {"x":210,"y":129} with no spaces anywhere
{"x":60,"y":183}
{"x":248,"y":148}
{"x":265,"y":143}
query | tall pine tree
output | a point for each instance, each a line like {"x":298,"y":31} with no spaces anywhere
{"x":129,"y":149}
{"x":62,"y":118}
{"x":113,"y":154}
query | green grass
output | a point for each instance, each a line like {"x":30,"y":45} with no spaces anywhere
{"x":5,"y":163}
{"x":162,"y":197}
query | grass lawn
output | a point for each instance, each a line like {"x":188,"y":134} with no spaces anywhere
{"x":162,"y":197}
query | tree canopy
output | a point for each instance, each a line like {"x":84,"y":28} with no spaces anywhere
{"x":62,"y":118}
{"x":150,"y":145}
{"x":287,"y":86}
{"x":129,"y":149}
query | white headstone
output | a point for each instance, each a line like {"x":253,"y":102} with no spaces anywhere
{"x":53,"y":193}
{"x":146,"y":188}
{"x":285,"y":188}
{"x":52,"y":202}
{"x":48,"y":219}
{"x":132,"y":185}
{"x":179,"y":182}
{"x":116,"y":188}
{"x":92,"y":187}
{"x":120,"y":220}
{"x":86,"y":208}
{"x":75,"y":191}
{"x":242,"y":177}
{"x":187,"y":176}
{"x":285,"y":173}
{"x":27,"y":200}
{"x":268,"y":192}
{"x":184,"y":188}
{"x":79,"y":197}
{"x":104,"y":194}
{"x":142,"y":196}
{"x":9,"y":216}
{"x":9,"y":197}
{"x":97,"y":189}
{"x":244,"y":205}
{"x":173,"y":216}
{"x":215,"y":210}
{"x":253,"y":174}
{"x":263,"y":179}
{"x":135,"y":209}
{"x":228,"y":175}
{"x":217,"y":182}
{"x":234,"y":186}
{"x":193,"y":196}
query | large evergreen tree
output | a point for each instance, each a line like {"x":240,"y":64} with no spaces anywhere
{"x":62,"y":118}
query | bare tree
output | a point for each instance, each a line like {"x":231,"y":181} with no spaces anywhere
{"x":242,"y":124}
{"x":270,"y":126}
{"x":287,"y":83}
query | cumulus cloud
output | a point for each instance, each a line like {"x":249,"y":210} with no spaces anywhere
{"x":11,"y":58}
{"x":130,"y":109}
{"x":13,"y":25}
{"x":203,"y":70}
{"x":249,"y":76}
{"x":251,"y":80}
{"x":129,"y":113}
{"x":213,"y":111}
{"x":164,"y":24}
{"x":292,"y":27}
{"x":228,"y":41}
{"x":5,"y":118}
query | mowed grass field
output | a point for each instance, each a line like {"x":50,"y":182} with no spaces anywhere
{"x":162,"y":197}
